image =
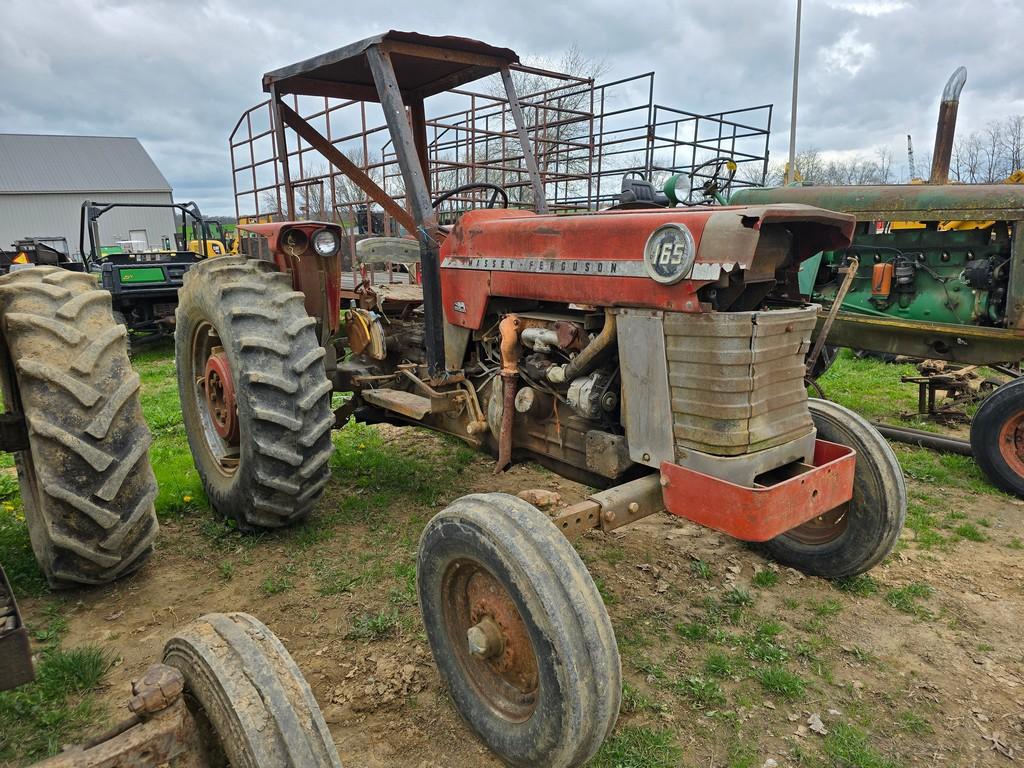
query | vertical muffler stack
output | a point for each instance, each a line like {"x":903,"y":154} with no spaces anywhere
{"x":946,"y":128}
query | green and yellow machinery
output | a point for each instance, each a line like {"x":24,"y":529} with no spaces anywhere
{"x":940,"y":275}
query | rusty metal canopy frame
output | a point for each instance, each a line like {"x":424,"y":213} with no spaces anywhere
{"x":585,"y":136}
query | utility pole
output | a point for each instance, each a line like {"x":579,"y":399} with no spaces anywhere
{"x":910,"y":159}
{"x":791,"y":167}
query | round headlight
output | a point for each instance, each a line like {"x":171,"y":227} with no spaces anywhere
{"x":669,"y":253}
{"x":325,"y":243}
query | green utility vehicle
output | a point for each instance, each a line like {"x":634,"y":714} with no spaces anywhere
{"x":143,"y":285}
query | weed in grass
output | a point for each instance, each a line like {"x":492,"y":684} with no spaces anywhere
{"x":374,"y":626}
{"x":861,"y":586}
{"x":613,"y":555}
{"x":694,"y":631}
{"x":405,"y":592}
{"x":650,"y":668}
{"x":738,"y":597}
{"x":639,"y":747}
{"x":742,"y":756}
{"x":607,"y":596}
{"x":825,"y":608}
{"x":634,"y":701}
{"x":332,"y":580}
{"x":911,"y":722}
{"x":278,"y":582}
{"x":860,"y":654}
{"x":948,"y":470}
{"x":846,"y":745}
{"x":765,"y":579}
{"x":718,"y":664}
{"x":791,"y":603}
{"x":226,"y":569}
{"x":984,"y":522}
{"x":701,"y":570}
{"x":37,"y":719}
{"x":781,"y":682}
{"x":1016,"y":543}
{"x":906,"y":599}
{"x":703,"y":694}
{"x":970,"y":532}
{"x":762,"y":648}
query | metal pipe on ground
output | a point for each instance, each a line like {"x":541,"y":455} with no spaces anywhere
{"x":924,"y":439}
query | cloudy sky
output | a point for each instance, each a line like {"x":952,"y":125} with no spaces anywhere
{"x":177,"y":73}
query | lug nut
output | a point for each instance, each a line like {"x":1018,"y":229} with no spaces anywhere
{"x":485,"y":639}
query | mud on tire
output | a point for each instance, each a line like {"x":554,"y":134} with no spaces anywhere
{"x":253,"y":707}
{"x":278,"y":469}
{"x":86,"y":481}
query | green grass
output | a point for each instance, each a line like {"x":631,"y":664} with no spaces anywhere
{"x":970,"y":532}
{"x":765,"y":579}
{"x":701,"y":570}
{"x":374,"y":626}
{"x":639,"y":747}
{"x":848,"y":747}
{"x":861,"y":586}
{"x":37,"y":719}
{"x":871,"y":387}
{"x":718,"y":664}
{"x":780,"y":681}
{"x":907,"y":599}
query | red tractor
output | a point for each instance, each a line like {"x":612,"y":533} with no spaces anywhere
{"x":657,"y":354}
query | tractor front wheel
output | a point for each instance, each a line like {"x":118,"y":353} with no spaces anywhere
{"x":255,"y":399}
{"x":252,"y":706}
{"x":519,"y":632}
{"x":856,"y":536}
{"x":997,"y":437}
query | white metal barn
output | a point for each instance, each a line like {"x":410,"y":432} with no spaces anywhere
{"x":45,"y":179}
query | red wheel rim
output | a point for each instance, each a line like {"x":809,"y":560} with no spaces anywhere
{"x":1011,"y":442}
{"x":507,"y":680}
{"x":220,"y":395}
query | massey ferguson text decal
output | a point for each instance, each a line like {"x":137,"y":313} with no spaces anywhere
{"x":596,"y":267}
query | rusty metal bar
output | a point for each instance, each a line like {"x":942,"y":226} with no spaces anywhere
{"x":353,"y":171}
{"x":945,"y":129}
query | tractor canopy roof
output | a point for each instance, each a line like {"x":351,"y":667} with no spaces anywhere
{"x":424,"y":65}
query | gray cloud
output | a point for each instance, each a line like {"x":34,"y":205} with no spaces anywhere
{"x":177,"y":74}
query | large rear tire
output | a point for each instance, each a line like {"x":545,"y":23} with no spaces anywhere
{"x":997,"y":437}
{"x":262,"y":444}
{"x":856,"y":536}
{"x":519,"y":632}
{"x":253,"y":707}
{"x":86,"y":482}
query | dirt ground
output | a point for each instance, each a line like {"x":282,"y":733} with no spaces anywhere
{"x":897,"y":676}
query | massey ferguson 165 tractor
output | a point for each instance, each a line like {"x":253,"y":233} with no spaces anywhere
{"x":657,"y":354}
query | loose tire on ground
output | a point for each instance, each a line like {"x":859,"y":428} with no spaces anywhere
{"x":276,"y":470}
{"x":86,"y":482}
{"x":856,"y":537}
{"x":550,"y":693}
{"x":253,"y":707}
{"x":997,"y":437}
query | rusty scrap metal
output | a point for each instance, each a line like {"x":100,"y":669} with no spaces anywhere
{"x":849,"y":272}
{"x":613,"y":508}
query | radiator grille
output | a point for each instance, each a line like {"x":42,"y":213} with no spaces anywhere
{"x":736,"y":379}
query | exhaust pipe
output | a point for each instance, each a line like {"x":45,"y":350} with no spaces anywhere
{"x":943,"y":151}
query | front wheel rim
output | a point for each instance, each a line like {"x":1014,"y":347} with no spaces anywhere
{"x":211,"y":385}
{"x":1011,"y":442}
{"x":504,"y":674}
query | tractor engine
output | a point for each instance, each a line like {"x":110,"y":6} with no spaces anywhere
{"x":606,"y":345}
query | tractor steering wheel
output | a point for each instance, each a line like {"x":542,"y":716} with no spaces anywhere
{"x":724,"y":169}
{"x":495,"y":189}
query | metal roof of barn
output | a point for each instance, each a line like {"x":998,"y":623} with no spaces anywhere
{"x":39,"y":164}
{"x":424,"y":65}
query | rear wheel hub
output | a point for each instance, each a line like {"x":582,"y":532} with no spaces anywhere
{"x":220,"y":395}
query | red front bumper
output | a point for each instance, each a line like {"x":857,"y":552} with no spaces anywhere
{"x":762,"y":512}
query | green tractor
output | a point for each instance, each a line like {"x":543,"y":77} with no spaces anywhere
{"x":939,"y":274}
